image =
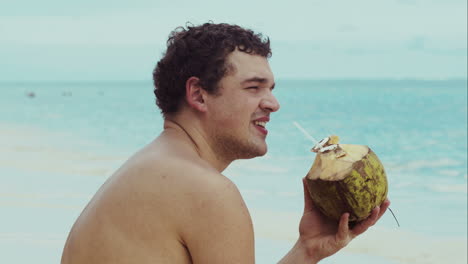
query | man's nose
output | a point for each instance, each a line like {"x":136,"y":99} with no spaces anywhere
{"x":270,"y":103}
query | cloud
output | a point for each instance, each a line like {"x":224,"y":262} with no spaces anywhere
{"x":299,"y":30}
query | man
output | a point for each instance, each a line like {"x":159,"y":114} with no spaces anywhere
{"x":169,"y":203}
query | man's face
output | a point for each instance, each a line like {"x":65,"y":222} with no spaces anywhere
{"x":239,"y":112}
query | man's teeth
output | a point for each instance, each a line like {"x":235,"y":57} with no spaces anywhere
{"x":260,"y":123}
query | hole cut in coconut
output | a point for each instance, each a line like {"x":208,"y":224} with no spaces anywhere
{"x":334,"y":166}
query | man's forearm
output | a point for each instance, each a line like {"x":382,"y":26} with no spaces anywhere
{"x":299,"y":254}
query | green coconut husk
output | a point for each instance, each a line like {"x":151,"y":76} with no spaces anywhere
{"x":349,"y":179}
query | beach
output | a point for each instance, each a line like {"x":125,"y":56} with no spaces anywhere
{"x":58,"y":147}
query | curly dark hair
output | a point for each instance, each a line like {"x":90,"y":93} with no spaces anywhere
{"x":201,"y":51}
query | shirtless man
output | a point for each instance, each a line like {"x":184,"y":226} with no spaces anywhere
{"x":169,"y":203}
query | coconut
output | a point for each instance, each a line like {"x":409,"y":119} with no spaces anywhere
{"x":346,"y":179}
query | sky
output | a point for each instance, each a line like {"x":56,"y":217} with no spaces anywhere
{"x":62,"y":40}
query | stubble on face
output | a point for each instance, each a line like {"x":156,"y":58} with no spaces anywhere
{"x":239,"y":142}
{"x":233,"y":147}
{"x":234,"y":135}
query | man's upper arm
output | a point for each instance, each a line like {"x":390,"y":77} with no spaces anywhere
{"x":219,"y":228}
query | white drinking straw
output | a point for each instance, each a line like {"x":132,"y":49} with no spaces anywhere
{"x":308,"y":136}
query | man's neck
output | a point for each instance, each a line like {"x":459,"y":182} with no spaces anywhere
{"x":190,"y":131}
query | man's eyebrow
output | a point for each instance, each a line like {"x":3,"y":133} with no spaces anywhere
{"x":257,"y":79}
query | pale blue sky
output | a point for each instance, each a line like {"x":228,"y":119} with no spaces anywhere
{"x":122,"y":40}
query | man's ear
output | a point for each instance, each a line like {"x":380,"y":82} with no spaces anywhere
{"x":194,"y":94}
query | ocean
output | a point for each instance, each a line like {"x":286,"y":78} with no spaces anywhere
{"x":60,"y":141}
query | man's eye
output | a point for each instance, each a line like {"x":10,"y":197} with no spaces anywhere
{"x":253,"y":87}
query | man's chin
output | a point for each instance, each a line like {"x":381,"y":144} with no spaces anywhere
{"x":258,"y":152}
{"x":235,"y":149}
{"x":263,"y":152}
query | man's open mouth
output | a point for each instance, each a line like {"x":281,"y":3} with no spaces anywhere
{"x":260,"y":123}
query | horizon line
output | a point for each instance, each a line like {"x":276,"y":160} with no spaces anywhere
{"x":278,"y":79}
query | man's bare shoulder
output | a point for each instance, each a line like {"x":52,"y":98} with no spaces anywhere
{"x":155,"y":199}
{"x":174,"y":185}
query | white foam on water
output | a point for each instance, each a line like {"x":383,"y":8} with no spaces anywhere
{"x":449,"y":173}
{"x":423,"y":164}
{"x":403,"y":184}
{"x":441,"y":181}
{"x":448,"y":188}
{"x":34,"y":150}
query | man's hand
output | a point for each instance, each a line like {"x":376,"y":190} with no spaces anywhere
{"x":320,"y":237}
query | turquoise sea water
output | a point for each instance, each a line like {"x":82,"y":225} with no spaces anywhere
{"x":60,"y":145}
